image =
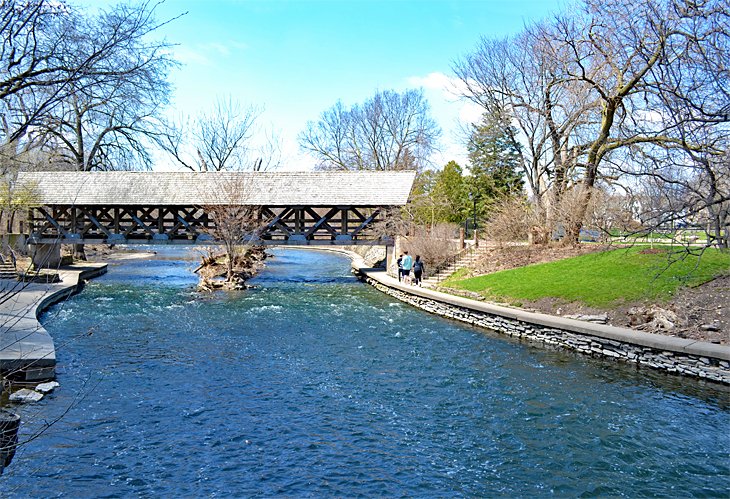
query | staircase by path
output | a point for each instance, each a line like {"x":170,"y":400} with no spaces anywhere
{"x":7,"y":271}
{"x":465,"y":259}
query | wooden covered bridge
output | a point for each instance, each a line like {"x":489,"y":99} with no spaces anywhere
{"x":302,"y":208}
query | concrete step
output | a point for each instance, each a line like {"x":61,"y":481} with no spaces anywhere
{"x":467,"y":260}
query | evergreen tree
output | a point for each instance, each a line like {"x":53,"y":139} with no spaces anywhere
{"x":495,"y":161}
{"x":450,"y":194}
{"x":421,"y":205}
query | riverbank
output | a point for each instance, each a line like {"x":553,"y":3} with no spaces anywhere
{"x":656,"y":290}
{"x":674,"y":355}
{"x":27,"y":351}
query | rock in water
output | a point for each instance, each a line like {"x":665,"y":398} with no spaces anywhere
{"x":25,"y":395}
{"x":9,"y":424}
{"x":47,"y":387}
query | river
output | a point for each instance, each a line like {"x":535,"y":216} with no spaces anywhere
{"x":314,"y":384}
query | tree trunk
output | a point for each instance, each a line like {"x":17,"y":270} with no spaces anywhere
{"x":230,"y":249}
{"x":574,"y":224}
{"x":79,"y":253}
{"x":595,"y":154}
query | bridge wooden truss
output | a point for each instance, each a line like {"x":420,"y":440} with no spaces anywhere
{"x":302,"y":208}
{"x":191,"y":224}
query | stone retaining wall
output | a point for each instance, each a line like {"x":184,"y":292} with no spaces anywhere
{"x":705,"y":367}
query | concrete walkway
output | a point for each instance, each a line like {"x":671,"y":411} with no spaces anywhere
{"x":657,"y":341}
{"x":27,"y":351}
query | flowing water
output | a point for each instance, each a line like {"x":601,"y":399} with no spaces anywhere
{"x":313,"y":384}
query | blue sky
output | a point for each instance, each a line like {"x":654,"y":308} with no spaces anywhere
{"x":295,"y":59}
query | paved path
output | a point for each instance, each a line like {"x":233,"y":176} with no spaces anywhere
{"x":26,"y":349}
{"x":622,"y":334}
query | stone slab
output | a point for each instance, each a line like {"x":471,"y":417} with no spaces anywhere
{"x":25,"y":395}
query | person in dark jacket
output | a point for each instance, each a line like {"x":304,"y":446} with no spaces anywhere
{"x":400,"y":266}
{"x":418,"y":269}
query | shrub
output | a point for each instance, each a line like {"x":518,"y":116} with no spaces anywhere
{"x":434,"y":244}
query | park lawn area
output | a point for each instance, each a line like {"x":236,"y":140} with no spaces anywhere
{"x":601,"y":280}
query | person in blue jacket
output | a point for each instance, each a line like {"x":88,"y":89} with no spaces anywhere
{"x":407,"y":264}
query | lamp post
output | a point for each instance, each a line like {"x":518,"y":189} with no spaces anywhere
{"x":473,"y":199}
{"x":475,"y":216}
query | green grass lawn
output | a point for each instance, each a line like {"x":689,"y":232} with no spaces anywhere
{"x":601,"y":279}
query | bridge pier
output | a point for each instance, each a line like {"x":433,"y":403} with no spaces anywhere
{"x":46,"y":255}
{"x":389,"y":258}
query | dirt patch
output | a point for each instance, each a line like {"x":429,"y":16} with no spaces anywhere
{"x":498,"y":258}
{"x":652,"y":251}
{"x":699,"y":313}
{"x":703,"y":311}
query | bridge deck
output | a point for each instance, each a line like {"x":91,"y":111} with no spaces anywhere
{"x":194,"y":225}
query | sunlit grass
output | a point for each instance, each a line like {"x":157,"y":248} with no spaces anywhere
{"x":602,"y":279}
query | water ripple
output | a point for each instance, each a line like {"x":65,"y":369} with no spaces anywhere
{"x":312,"y":384}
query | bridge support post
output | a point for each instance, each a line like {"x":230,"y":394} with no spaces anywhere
{"x":394,"y":250}
{"x":389,"y":258}
{"x":46,"y":256}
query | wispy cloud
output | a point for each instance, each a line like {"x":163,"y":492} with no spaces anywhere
{"x":187,"y":55}
{"x":207,"y":54}
{"x":226,"y":48}
{"x":450,"y":89}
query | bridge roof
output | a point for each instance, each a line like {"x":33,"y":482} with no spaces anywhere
{"x":362,"y":188}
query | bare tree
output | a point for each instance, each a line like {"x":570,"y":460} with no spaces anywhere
{"x":673,"y":137}
{"x":235,"y":225}
{"x":50,"y":51}
{"x":106,"y":121}
{"x":520,"y":76}
{"x":36,"y":69}
{"x":82,"y":87}
{"x":591,"y":88}
{"x":607,"y":50}
{"x":390,"y":131}
{"x":221,"y":140}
